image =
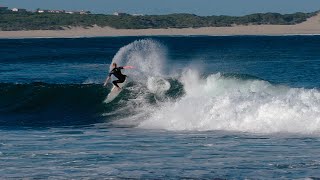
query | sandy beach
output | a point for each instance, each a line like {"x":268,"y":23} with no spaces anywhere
{"x":311,"y":26}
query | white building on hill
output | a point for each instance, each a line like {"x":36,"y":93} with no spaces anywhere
{"x":56,"y":11}
{"x":119,"y":14}
{"x":137,"y":14}
{"x":18,"y":10}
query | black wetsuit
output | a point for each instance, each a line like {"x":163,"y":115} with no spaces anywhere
{"x":117,"y":73}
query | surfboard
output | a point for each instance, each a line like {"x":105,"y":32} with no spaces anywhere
{"x":115,"y":92}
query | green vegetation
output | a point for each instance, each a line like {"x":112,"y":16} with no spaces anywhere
{"x":10,"y":21}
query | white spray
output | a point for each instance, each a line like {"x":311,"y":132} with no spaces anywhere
{"x":148,"y":57}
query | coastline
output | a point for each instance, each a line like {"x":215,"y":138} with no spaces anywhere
{"x":309,"y":27}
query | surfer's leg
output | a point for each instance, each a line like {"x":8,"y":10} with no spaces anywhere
{"x":121,"y":80}
{"x":116,"y":83}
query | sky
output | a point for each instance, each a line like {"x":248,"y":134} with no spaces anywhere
{"x":199,"y":7}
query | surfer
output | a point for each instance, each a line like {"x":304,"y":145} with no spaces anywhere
{"x":116,"y":71}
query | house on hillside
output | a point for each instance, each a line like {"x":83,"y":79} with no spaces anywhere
{"x":42,"y":11}
{"x":120,"y":14}
{"x":85,"y":12}
{"x":18,"y":10}
{"x":78,"y":12}
{"x":137,"y":14}
{"x":56,"y":11}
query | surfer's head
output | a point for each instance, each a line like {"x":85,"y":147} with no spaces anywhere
{"x":114,"y":65}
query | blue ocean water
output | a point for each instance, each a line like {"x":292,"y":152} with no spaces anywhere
{"x":232,"y":107}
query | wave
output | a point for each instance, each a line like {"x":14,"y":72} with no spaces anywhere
{"x":52,"y":105}
{"x":192,"y":102}
{"x":157,"y":99}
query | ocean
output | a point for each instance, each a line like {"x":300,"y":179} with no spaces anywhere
{"x":195,"y":107}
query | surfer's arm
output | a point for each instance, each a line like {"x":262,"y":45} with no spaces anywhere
{"x":107,"y":80}
{"x":127,"y":67}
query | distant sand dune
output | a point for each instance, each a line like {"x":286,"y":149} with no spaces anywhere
{"x":311,"y":26}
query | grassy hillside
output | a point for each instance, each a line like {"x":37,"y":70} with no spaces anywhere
{"x":10,"y":21}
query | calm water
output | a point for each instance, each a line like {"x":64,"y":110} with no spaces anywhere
{"x":234,"y":107}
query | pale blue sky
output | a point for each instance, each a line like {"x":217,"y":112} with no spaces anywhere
{"x":199,"y":7}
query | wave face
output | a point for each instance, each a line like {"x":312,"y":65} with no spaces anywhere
{"x":39,"y":104}
{"x":158,"y":99}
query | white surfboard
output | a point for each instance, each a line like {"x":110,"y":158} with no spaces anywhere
{"x":115,"y":92}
